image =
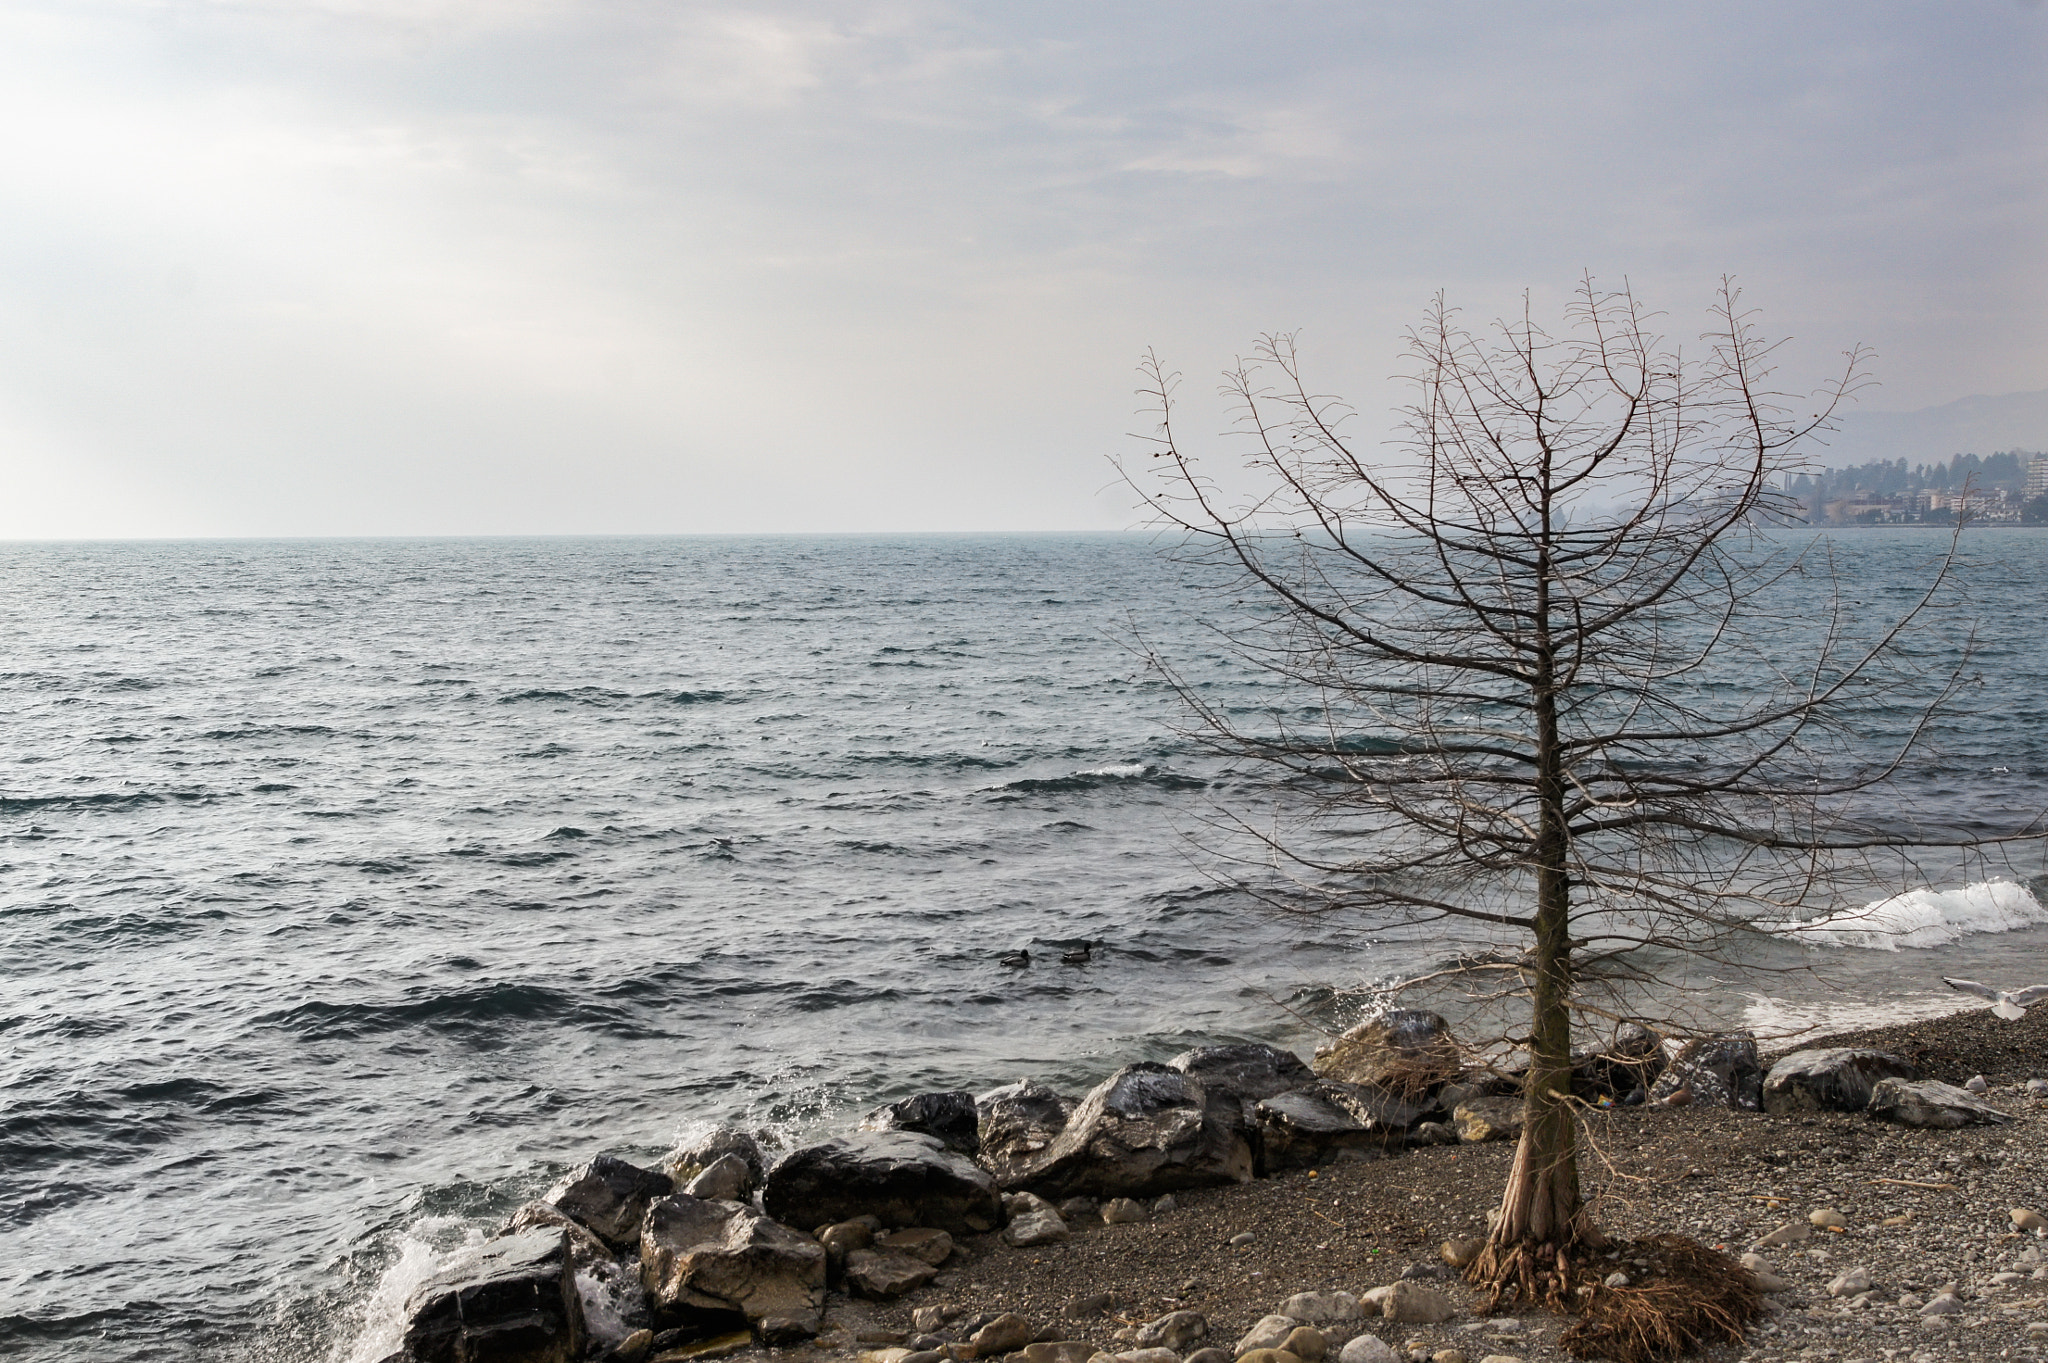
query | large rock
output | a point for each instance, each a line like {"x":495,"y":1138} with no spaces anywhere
{"x":693,"y":1157}
{"x":1319,"y":1121}
{"x":1488,"y":1119}
{"x":515,"y":1302}
{"x":1632,"y":1060}
{"x":1411,"y":1303}
{"x":1720,"y":1071}
{"x":1930,"y":1103}
{"x":704,"y":1262}
{"x":1245,"y":1072}
{"x":884,"y":1273}
{"x":952,"y":1117}
{"x":610,"y":1197}
{"x":1146,"y":1129}
{"x":1017,"y":1122}
{"x":903,"y":1178}
{"x":1408,"y":1051}
{"x":585,"y":1249}
{"x":1834,"y":1079}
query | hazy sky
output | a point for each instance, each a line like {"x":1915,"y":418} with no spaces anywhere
{"x":507,"y":266}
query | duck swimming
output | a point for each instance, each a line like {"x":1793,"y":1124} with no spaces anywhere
{"x":1016,"y":960}
{"x":1078,"y":956}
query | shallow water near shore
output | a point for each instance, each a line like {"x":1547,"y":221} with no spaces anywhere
{"x":353,"y":889}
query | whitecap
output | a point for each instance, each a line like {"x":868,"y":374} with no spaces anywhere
{"x":1925,"y":918}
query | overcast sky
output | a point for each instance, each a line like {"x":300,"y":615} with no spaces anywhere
{"x":507,"y":266}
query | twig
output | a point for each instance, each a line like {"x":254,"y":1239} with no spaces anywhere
{"x":1909,"y":1183}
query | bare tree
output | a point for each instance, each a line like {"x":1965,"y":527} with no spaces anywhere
{"x":1557,"y":688}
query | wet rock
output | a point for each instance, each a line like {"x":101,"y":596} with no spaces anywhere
{"x":1322,"y":1308}
{"x":952,"y":1117}
{"x":585,"y":1249}
{"x":904,"y":1178}
{"x":884,"y":1274}
{"x":1041,"y":1227}
{"x":609,"y":1196}
{"x":703,"y":1261}
{"x":1244,"y":1073}
{"x":1005,"y":1334}
{"x":1268,"y":1333}
{"x":633,"y":1347}
{"x":842,"y":1239}
{"x":1830,"y":1079}
{"x":1488,"y":1119}
{"x":1368,"y":1349}
{"x":1718,"y":1071}
{"x":513,"y":1302}
{"x":725,"y":1179}
{"x":1122,"y":1211}
{"x":1315,"y":1123}
{"x":1146,"y":1129}
{"x":693,"y":1157}
{"x":1411,"y":1303}
{"x":928,"y":1243}
{"x":1306,"y":1343}
{"x":1175,"y":1330}
{"x":1016,"y":1123}
{"x":1930,"y":1103}
{"x":1409,"y":1052}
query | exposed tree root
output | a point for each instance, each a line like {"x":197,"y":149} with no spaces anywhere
{"x":1680,"y":1295}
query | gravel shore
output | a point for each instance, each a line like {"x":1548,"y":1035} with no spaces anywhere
{"x":1921,"y":1211}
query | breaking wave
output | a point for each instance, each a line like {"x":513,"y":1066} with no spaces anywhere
{"x":1927,"y":918}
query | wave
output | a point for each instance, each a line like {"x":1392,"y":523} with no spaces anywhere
{"x":1919,"y":919}
{"x":1116,"y":774}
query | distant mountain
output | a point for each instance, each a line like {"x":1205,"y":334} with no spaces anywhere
{"x":1973,"y":425}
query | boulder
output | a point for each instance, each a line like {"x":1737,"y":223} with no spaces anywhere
{"x":1368,"y":1349}
{"x":1016,"y":1123}
{"x":928,"y":1243}
{"x":1175,"y":1330}
{"x":1244,"y":1073}
{"x":1407,"y":1051}
{"x":1321,"y":1120}
{"x":1145,"y":1130}
{"x":1323,"y":1308}
{"x":1267,"y":1333}
{"x":609,"y":1196}
{"x":952,"y":1117}
{"x":1039,"y":1226}
{"x":1005,"y":1334}
{"x":515,"y":1301}
{"x":1718,"y":1071}
{"x":905,"y":1178}
{"x":693,"y":1157}
{"x":883,"y":1273}
{"x":585,"y":1249}
{"x":725,"y":1179}
{"x":704,"y":1262}
{"x":1306,"y":1343}
{"x":1413,"y":1304}
{"x":1831,"y":1079}
{"x":1488,"y":1119}
{"x":1930,"y":1103}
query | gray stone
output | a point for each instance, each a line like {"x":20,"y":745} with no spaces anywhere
{"x":928,"y":1243}
{"x":1718,"y":1071}
{"x":1368,"y":1349}
{"x":1036,"y":1228}
{"x":1268,"y":1333}
{"x":1408,"y":1052}
{"x":1164,"y":1204}
{"x":951,"y":1117}
{"x":1077,"y":1208}
{"x":1323,"y":1120}
{"x":693,"y":1157}
{"x":725,"y":1179}
{"x":702,"y":1261}
{"x":609,"y":1196}
{"x":904,"y":1178}
{"x":1322,"y":1308}
{"x":1831,"y":1079}
{"x":1148,"y":1356}
{"x":514,"y":1302}
{"x":1122,"y":1211}
{"x":1976,"y":1083}
{"x":1244,"y":1073}
{"x":1016,"y":1123}
{"x":1488,"y":1119}
{"x":1930,"y":1103}
{"x":1005,"y":1334}
{"x":1146,"y":1129}
{"x":1852,"y":1283}
{"x":1174,"y":1330}
{"x":1054,"y":1351}
{"x":1947,"y":1304}
{"x":584,"y":1247}
{"x":1414,"y":1304}
{"x":883,"y":1274}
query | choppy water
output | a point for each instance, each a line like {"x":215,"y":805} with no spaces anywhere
{"x":349,"y":890}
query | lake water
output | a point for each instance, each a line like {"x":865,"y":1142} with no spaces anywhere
{"x":352,"y":889}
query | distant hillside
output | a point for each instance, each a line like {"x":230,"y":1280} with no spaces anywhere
{"x":1973,"y":425}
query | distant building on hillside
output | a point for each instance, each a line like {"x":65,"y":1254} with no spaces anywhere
{"x":2037,"y":476}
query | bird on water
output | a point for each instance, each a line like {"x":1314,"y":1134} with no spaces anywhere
{"x":2011,"y":1005}
{"x":1078,"y":956}
{"x":1016,"y":960}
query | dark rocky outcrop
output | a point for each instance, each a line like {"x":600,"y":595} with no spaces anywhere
{"x":1321,"y":1121}
{"x":693,"y":1157}
{"x":609,"y":1196}
{"x":1245,"y":1072}
{"x":952,"y":1117}
{"x":904,"y":1178}
{"x":1718,"y":1071}
{"x":704,"y":1264}
{"x":1147,"y":1129}
{"x":1017,"y":1122}
{"x":585,"y":1249}
{"x":514,"y":1303}
{"x":1633,"y":1061}
{"x":1408,"y":1051}
{"x":885,"y":1273}
{"x":1929,"y":1103}
{"x":1837,"y":1079}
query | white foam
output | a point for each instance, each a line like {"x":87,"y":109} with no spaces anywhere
{"x":1926,"y":918}
{"x":383,"y":1327}
{"x":1772,"y":1018}
{"x":1123,"y":770}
